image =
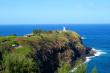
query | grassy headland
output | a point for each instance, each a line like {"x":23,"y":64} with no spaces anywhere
{"x":41,"y":52}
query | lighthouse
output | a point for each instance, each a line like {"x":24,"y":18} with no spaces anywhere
{"x":64,"y":29}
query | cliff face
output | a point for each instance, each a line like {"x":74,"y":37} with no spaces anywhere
{"x":48,"y":49}
{"x":53,"y":47}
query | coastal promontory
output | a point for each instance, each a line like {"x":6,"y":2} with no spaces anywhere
{"x":41,"y":52}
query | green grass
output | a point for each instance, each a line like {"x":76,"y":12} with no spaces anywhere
{"x":23,"y":50}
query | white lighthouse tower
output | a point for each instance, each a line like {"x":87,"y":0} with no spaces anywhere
{"x":64,"y":29}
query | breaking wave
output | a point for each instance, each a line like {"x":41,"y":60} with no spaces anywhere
{"x":98,"y":53}
{"x":83,"y":38}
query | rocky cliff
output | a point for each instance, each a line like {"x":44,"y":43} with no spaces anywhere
{"x":49,"y":48}
{"x":53,"y":47}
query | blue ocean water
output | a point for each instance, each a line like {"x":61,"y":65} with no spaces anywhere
{"x":97,"y":36}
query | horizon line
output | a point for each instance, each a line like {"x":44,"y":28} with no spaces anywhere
{"x":60,"y":24}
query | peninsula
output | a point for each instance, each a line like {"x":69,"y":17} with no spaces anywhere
{"x":42,"y":52}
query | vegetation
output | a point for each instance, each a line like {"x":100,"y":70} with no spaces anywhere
{"x":64,"y":68}
{"x":94,"y":70}
{"x":78,"y":68}
{"x":16,"y":63}
{"x":41,"y":52}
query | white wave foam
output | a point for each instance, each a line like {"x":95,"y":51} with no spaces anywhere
{"x":98,"y":53}
{"x":88,"y":59}
{"x":83,"y":38}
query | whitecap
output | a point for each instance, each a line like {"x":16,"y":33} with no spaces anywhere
{"x":88,"y":59}
{"x":98,"y":53}
{"x":83,"y":38}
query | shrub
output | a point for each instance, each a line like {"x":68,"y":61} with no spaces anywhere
{"x":64,"y":68}
{"x":38,"y":31}
{"x":16,"y":63}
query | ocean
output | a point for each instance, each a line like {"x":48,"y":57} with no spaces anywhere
{"x":95,"y":36}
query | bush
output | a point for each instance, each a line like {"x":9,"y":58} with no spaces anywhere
{"x":16,"y":63}
{"x":38,"y":31}
{"x":64,"y":68}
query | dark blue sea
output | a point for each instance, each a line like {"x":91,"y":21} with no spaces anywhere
{"x":96,"y":36}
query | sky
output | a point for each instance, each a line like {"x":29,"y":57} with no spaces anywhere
{"x":54,"y":11}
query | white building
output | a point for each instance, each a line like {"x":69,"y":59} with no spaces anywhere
{"x":64,"y":29}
